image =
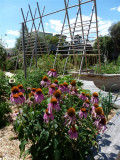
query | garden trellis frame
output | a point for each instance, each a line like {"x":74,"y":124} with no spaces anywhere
{"x":71,"y":48}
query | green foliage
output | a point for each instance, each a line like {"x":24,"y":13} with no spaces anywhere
{"x":107,"y":103}
{"x":33,"y":78}
{"x":108,"y":68}
{"x":4,"y":87}
{"x":45,"y":63}
{"x":4,"y":109}
{"x":106,"y":47}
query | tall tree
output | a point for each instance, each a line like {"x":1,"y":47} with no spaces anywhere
{"x":114,"y":31}
{"x":106,"y":47}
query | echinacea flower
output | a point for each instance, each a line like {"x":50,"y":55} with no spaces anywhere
{"x":20,"y":86}
{"x":73,"y":83}
{"x":48,"y":116}
{"x":86,"y":103}
{"x":15,"y":99}
{"x":88,"y":96}
{"x":61,"y":88}
{"x":65,"y":87}
{"x":51,"y":89}
{"x":70,"y":117}
{"x":101,"y":124}
{"x":82,"y":96}
{"x":94,"y":98}
{"x":45,"y":82}
{"x":57,"y":95}
{"x":53,"y":105}
{"x":39,"y":97}
{"x":73,"y":133}
{"x":15,"y":90}
{"x":56,"y":83}
{"x":33,"y":90}
{"x":99,"y":110}
{"x":52,"y":73}
{"x":83,"y":113}
{"x":22,"y":98}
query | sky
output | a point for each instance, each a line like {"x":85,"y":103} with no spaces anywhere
{"x":108,"y":12}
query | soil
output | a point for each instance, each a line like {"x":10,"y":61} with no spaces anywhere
{"x":9,"y":144}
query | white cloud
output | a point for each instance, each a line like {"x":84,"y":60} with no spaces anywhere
{"x":115,"y":9}
{"x":13,"y":32}
{"x":56,"y":25}
{"x":10,"y":43}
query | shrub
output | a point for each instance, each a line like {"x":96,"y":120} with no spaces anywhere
{"x":4,"y":109}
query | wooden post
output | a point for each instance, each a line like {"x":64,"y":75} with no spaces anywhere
{"x":97,"y":33}
{"x":23,"y":48}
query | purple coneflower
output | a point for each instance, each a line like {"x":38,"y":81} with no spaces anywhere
{"x":56,"y":83}
{"x":33,"y":90}
{"x":94,"y":98}
{"x":39,"y":97}
{"x":70,"y":117}
{"x":22,"y":98}
{"x":16,"y":99}
{"x":61,"y":88}
{"x":52,"y":73}
{"x":48,"y":116}
{"x":65,"y":87}
{"x":82,"y":96}
{"x":53,"y":105}
{"x":20,"y":86}
{"x":45,"y":82}
{"x":51,"y":89}
{"x":86,"y":103}
{"x":83,"y":113}
{"x":73,"y":133}
{"x":57,"y":95}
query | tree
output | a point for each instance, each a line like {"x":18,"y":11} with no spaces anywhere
{"x":106,"y":47}
{"x":114,"y":31}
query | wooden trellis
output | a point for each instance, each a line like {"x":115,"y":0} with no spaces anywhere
{"x":84,"y":28}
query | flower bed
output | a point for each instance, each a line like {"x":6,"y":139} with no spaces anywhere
{"x":58,"y":120}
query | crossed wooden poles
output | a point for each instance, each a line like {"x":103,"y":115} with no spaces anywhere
{"x":71,"y":31}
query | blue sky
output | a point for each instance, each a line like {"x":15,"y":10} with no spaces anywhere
{"x":10,"y":16}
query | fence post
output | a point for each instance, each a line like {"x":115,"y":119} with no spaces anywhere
{"x":23,"y":48}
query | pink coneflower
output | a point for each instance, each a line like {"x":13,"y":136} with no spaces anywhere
{"x":82,"y":96}
{"x":45,"y":82}
{"x":51,"y":89}
{"x":53,"y":105}
{"x":65,"y":87}
{"x":57,"y":95}
{"x":33,"y":90}
{"x":83,"y":113}
{"x":88,"y":96}
{"x":52,"y":73}
{"x":94,"y":98}
{"x":16,"y":99}
{"x":48,"y":116}
{"x":22,"y":98}
{"x":61,"y":88}
{"x":20,"y":86}
{"x":56,"y":83}
{"x":39,"y":97}
{"x":70,"y":117}
{"x":86,"y":103}
{"x":15,"y":90}
{"x":73,"y":133}
{"x":101,"y":124}
{"x":15,"y":113}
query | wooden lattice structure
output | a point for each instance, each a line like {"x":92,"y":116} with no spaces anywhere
{"x":78,"y":35}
